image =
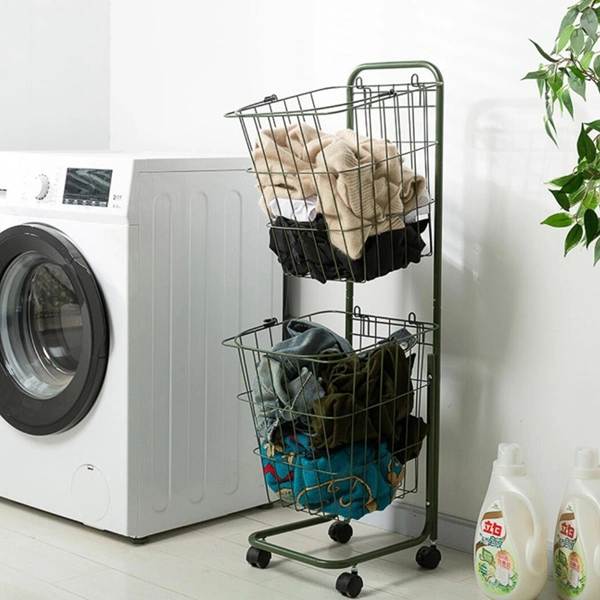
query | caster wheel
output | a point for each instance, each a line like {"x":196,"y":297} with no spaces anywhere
{"x":349,"y":584}
{"x":340,"y":532}
{"x":258,"y":558}
{"x":428,"y":557}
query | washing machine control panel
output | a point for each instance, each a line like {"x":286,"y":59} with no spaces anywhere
{"x":72,"y":185}
{"x":76,"y":186}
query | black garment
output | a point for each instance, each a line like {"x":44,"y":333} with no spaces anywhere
{"x":303,"y":248}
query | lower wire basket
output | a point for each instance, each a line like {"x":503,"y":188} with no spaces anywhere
{"x":340,"y":424}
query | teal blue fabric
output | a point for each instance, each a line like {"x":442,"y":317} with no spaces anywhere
{"x":352,"y":481}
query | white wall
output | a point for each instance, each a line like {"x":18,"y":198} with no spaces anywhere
{"x":178,"y":66}
{"x":520,"y":333}
{"x":54,"y":69}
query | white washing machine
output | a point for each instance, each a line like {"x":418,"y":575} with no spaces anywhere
{"x":119,"y":277}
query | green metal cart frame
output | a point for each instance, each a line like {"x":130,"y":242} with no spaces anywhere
{"x":428,"y":556}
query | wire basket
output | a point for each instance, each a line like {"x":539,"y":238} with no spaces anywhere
{"x":339,"y":426}
{"x":344,"y":177}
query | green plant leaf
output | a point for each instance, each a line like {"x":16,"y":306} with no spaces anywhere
{"x":562,"y":199}
{"x":589,"y":44}
{"x":563,"y":180}
{"x":585,"y":147}
{"x":580,"y":212}
{"x":589,"y":22}
{"x":596,"y":252}
{"x":596,"y":65}
{"x":576,"y":197}
{"x":590,"y":222}
{"x":577,"y":41}
{"x":547,"y":123}
{"x":567,"y":101}
{"x":558,"y":220}
{"x":577,"y":72}
{"x":555,"y":83}
{"x":573,"y":184}
{"x":573,"y":237}
{"x":584,"y":4}
{"x":595,"y":125}
{"x":545,"y":54}
{"x":541,"y":74}
{"x":591,"y":201}
{"x":577,"y":85}
{"x":541,"y":83}
{"x":568,"y":19}
{"x":586,"y":60}
{"x":564,"y":37}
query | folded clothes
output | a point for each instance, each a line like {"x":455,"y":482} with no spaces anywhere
{"x":362,"y":185}
{"x":349,"y":482}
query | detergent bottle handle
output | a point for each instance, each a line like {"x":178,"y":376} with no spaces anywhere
{"x":597,"y":549}
{"x":536,"y":562}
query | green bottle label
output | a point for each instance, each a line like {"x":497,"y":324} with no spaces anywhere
{"x":495,"y":564}
{"x":569,"y":567}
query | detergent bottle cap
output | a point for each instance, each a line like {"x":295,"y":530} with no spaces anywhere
{"x":510,"y":454}
{"x":510,"y":460}
{"x":586,"y":458}
{"x":587,"y":463}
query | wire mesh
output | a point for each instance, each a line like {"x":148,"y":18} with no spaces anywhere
{"x":339,"y":429}
{"x":344,"y":177}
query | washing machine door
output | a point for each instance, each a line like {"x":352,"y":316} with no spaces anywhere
{"x":53,"y":331}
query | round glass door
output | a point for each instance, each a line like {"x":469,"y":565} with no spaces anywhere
{"x":53,"y":331}
{"x":41,"y":329}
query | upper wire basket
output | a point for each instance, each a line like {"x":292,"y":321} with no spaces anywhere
{"x":339,"y":427}
{"x":344,"y":175}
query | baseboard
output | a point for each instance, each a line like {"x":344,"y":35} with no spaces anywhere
{"x":408,"y":520}
{"x":453,"y":532}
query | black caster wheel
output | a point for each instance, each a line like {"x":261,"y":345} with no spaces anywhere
{"x":428,"y":557}
{"x":349,"y":584}
{"x":258,"y":558}
{"x":340,"y":532}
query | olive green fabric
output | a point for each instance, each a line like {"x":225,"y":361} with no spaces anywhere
{"x":369,"y":398}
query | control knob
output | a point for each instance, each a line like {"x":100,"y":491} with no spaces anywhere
{"x":39,"y":187}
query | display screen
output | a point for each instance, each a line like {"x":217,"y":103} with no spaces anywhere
{"x":87,"y":187}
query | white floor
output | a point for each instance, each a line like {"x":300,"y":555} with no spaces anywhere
{"x":43,"y":557}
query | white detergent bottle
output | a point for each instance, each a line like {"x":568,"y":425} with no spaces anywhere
{"x":510,"y":541}
{"x":577,"y":538}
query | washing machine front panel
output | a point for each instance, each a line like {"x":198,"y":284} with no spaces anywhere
{"x":53,"y":331}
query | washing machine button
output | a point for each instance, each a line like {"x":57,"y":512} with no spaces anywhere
{"x":39,"y":186}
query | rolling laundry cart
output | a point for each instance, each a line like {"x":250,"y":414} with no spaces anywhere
{"x":344,"y":402}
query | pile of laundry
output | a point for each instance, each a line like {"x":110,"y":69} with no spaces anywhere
{"x":335,"y":425}
{"x":342,"y":206}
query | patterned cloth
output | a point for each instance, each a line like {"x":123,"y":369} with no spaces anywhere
{"x":352,"y":481}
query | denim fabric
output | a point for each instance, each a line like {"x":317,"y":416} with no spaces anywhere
{"x":286,"y":382}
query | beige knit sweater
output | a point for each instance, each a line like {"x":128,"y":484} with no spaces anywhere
{"x":362,"y":186}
